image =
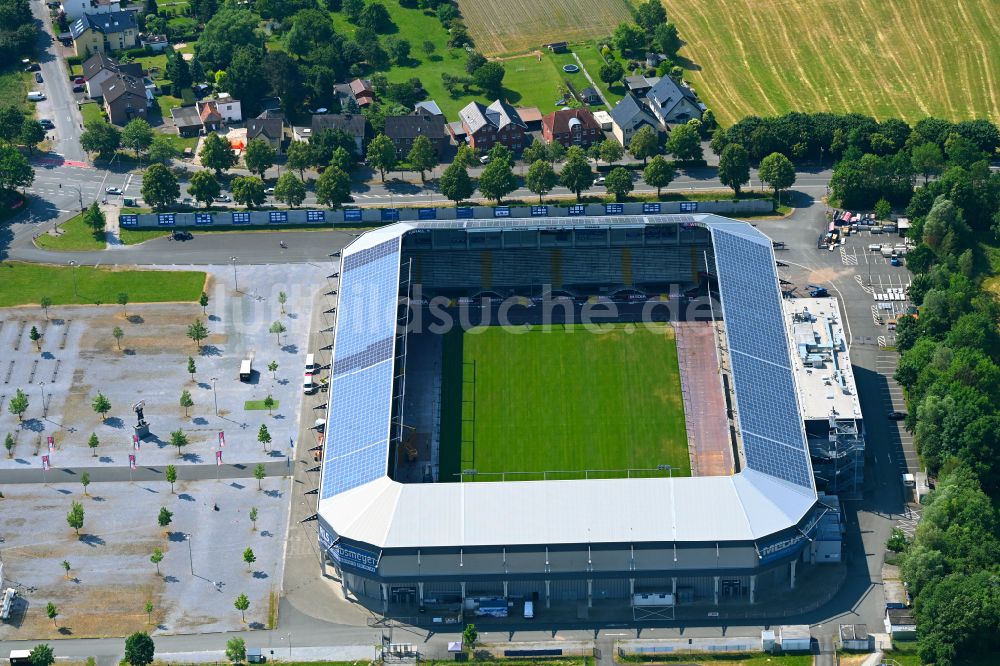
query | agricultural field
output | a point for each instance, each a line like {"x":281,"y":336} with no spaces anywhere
{"x":521,"y":25}
{"x":886,"y":59}
{"x":566,"y":399}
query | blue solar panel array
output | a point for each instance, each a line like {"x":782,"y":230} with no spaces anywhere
{"x":357,"y":431}
{"x":770,"y":421}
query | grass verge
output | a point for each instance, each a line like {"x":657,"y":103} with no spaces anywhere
{"x":734,"y":659}
{"x":76,"y":235}
{"x":252,"y":405}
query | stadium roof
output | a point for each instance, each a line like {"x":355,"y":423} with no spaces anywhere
{"x":359,"y":501}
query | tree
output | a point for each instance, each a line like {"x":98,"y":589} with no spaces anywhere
{"x":203,"y":302}
{"x":93,"y":442}
{"x":465,"y":156}
{"x":277,"y":328}
{"x":101,"y":405}
{"x":272,"y":367}
{"x":52,"y":612}
{"x":139,"y":649}
{"x":123,"y":301}
{"x":611,"y":72}
{"x":659,"y":173}
{"x":333,"y":187}
{"x":685,"y":143}
{"x":138,"y":135}
{"x":15,"y":171}
{"x":242,"y":603}
{"x":428,"y":48}
{"x":455,"y":183}
{"x":650,"y":15}
{"x":576,"y":174}
{"x":236,"y":650}
{"x":36,"y":337}
{"x":644,"y":144}
{"x":197,"y":332}
{"x":611,"y":151}
{"x":399,"y":50}
{"x":253,"y":517}
{"x":101,"y":138}
{"x":149,"y":609}
{"x":66,"y":567}
{"x":41,"y":655}
{"x":8,"y":443}
{"x":734,"y":167}
{"x":259,"y":156}
{"x":45,"y":303}
{"x":619,"y":183}
{"x":95,"y":219}
{"x":159,"y":186}
{"x":375,"y":17}
{"x":18,"y":405}
{"x":249,"y":557}
{"x":117,"y":333}
{"x":382,"y":154}
{"x":290,"y":189}
{"x":497,"y":180}
{"x":269,"y":403}
{"x":299,"y":157}
{"x":422,"y":155}
{"x":186,"y":401}
{"x":204,"y":187}
{"x":75,"y":516}
{"x":883,"y":209}
{"x":171,"y":475}
{"x":248,"y":191}
{"x":263,"y":435}
{"x":217,"y":154}
{"x":258,"y":470}
{"x":541,"y":178}
{"x":178,"y":439}
{"x":666,"y":39}
{"x":32,"y":134}
{"x":85,"y":481}
{"x":927,"y":160}
{"x":628,"y":37}
{"x":165,"y":517}
{"x":162,"y":150}
{"x":489,"y":77}
{"x":470,"y":637}
{"x":777,"y":171}
{"x":178,"y":71}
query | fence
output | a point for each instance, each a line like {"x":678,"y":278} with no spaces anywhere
{"x":378,"y":216}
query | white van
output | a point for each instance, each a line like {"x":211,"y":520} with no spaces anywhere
{"x":529,"y":610}
{"x":311,"y":366}
{"x":35,"y":96}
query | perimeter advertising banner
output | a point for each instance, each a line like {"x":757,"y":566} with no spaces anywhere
{"x":356,"y":558}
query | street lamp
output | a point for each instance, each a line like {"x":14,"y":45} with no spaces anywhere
{"x":73,"y":266}
{"x":235,"y":281}
{"x":187,"y":537}
{"x":45,"y":409}
{"x":215,"y":396}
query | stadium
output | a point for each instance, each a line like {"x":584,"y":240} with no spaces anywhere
{"x":574,"y":411}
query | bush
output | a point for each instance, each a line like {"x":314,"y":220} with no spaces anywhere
{"x":166,"y":87}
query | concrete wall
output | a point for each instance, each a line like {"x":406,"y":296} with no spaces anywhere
{"x":377,"y":216}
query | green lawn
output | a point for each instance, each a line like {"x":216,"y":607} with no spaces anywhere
{"x":25,"y":284}
{"x":563,"y":399}
{"x":254,"y":405}
{"x":91,"y":111}
{"x":593,"y":61}
{"x":76,"y":235}
{"x":754,"y":659}
{"x":14,"y":87}
{"x":136,"y":236}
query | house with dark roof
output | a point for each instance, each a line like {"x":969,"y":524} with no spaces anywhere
{"x":186,"y":120}
{"x":404,"y":130}
{"x":638,"y":85}
{"x":125,"y":99}
{"x":354,"y":124}
{"x":269,"y":127}
{"x":104,"y":33}
{"x":589,"y":95}
{"x":100,"y":67}
{"x":672,"y":102}
{"x":628,"y":116}
{"x":572,"y":127}
{"x":486,"y":126}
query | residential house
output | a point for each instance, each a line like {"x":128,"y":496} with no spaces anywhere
{"x":103,"y":33}
{"x":353,"y":124}
{"x":404,"y":130}
{"x":268,"y":126}
{"x":429,"y":106}
{"x":206,"y":115}
{"x":572,"y":127}
{"x":628,"y":116}
{"x":155,"y":43}
{"x":100,"y":67}
{"x":589,"y":95}
{"x":125,"y":99}
{"x":603,"y":119}
{"x":227,"y":109}
{"x":638,"y":85}
{"x":74,"y":9}
{"x":358,"y":90}
{"x":672,"y":103}
{"x":499,"y":122}
{"x":187,"y":120}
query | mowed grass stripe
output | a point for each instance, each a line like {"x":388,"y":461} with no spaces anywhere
{"x":905,"y":59}
{"x":571,"y":400}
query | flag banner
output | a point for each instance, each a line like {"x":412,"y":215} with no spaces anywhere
{"x":135,"y":442}
{"x":52,"y":444}
{"x":45,"y":463}
{"x":218,"y":457}
{"x":222,"y":439}
{"x":131,"y":460}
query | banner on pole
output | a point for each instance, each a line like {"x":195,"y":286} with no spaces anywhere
{"x":131,"y":460}
{"x":135,"y":442}
{"x":45,"y":463}
{"x":218,"y":457}
{"x":222,"y":439}
{"x":52,"y":444}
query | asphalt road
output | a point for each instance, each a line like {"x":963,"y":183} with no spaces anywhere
{"x":60,"y":105}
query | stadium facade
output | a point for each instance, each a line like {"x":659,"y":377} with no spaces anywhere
{"x":431,"y":542}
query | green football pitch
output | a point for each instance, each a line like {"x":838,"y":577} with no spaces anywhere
{"x":566,"y":399}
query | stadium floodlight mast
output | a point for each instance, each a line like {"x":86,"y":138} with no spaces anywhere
{"x":235,"y":281}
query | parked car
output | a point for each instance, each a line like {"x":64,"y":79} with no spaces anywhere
{"x":225,"y":198}
{"x":113,"y":190}
{"x":35,"y":96}
{"x":31,"y":66}
{"x":600,"y":180}
{"x":79,"y":87}
{"x":38,"y":77}
{"x":308,"y":386}
{"x":268,"y":190}
{"x":46,"y":123}
{"x":181,"y":235}
{"x":896,"y":416}
{"x":485,"y":159}
{"x":79,"y":80}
